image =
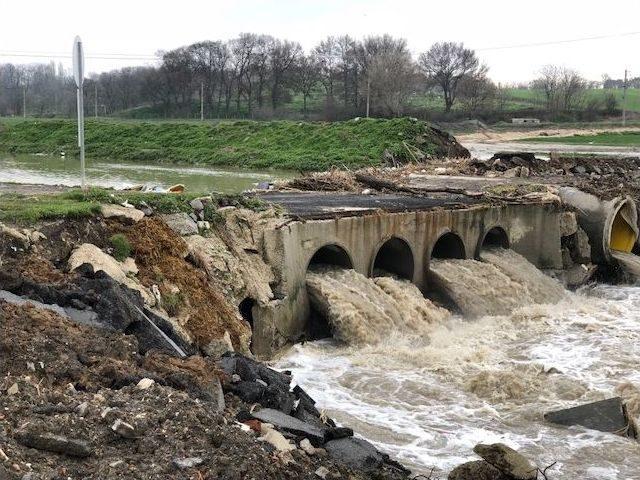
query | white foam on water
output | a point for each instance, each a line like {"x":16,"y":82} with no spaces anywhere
{"x":428,"y":399}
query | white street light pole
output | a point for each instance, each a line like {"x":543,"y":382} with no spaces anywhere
{"x":78,"y":74}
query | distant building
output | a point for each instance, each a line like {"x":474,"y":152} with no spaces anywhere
{"x":521,"y":121}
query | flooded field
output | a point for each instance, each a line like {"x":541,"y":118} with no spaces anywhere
{"x":428,"y":394}
{"x":51,"y":170}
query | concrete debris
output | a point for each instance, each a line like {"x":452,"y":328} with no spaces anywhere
{"x":219,"y":346}
{"x":608,"y":415}
{"x":55,"y":443}
{"x":124,"y":429}
{"x":275,"y":438}
{"x":355,"y":452}
{"x":190,"y":462}
{"x":145,"y":383}
{"x":306,"y":446}
{"x":181,"y":223}
{"x":13,"y":389}
{"x":291,"y":424}
{"x":507,"y":460}
{"x":121,"y":213}
{"x":568,"y":224}
{"x":82,"y":409}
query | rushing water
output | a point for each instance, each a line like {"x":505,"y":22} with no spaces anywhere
{"x":52,"y":170}
{"x":429,"y":393}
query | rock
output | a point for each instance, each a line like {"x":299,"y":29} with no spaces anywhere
{"x":14,"y":234}
{"x":189,"y":462}
{"x":276,"y":439}
{"x":219,"y":346}
{"x":35,"y":236}
{"x":203,"y":225}
{"x":525,"y":172}
{"x":578,"y":275}
{"x":305,"y":445}
{"x":55,"y":443}
{"x":145,"y":383}
{"x":250,"y":392}
{"x":322,"y":472}
{"x":568,"y":224}
{"x":124,"y":429}
{"x":512,"y":172}
{"x":13,"y":389}
{"x":581,"y":170}
{"x":81,"y":409}
{"x":196,"y":204}
{"x":580,"y":247}
{"x":124,"y":214}
{"x":181,"y":223}
{"x":476,"y":470}
{"x":355,"y":452}
{"x":440,"y":171}
{"x":507,"y":460}
{"x":291,"y":424}
{"x":605,"y":416}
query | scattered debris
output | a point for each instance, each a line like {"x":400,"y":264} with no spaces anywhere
{"x":55,"y":443}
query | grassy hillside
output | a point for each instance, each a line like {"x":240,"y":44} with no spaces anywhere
{"x":534,"y":99}
{"x":281,"y":144}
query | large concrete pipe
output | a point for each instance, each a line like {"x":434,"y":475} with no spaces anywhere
{"x":610,"y":224}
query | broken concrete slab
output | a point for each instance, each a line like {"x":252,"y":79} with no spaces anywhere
{"x":608,"y":415}
{"x":55,"y":443}
{"x":507,"y":460}
{"x":291,"y":424}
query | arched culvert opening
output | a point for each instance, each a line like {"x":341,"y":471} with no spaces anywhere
{"x":496,"y":237}
{"x":331,"y":255}
{"x":394,"y":256}
{"x":449,"y":245}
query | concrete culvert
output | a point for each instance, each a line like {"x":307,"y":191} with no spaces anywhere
{"x":395,"y":256}
{"x":331,"y":255}
{"x":449,"y":245}
{"x":495,"y":237}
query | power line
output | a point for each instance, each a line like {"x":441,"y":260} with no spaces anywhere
{"x":558,"y":42}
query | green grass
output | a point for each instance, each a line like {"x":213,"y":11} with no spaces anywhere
{"x":535,"y":99}
{"x":612,"y":139}
{"x":251,"y":144}
{"x":121,"y":247}
{"x":26,"y":209}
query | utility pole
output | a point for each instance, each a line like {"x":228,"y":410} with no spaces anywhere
{"x":24,"y":101}
{"x":201,"y":101}
{"x":624,"y":100}
{"x":95,"y":99}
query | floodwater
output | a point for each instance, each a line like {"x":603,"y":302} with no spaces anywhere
{"x":427,"y":394}
{"x":53,"y":170}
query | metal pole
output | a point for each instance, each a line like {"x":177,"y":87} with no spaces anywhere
{"x":201,"y":101}
{"x":95,"y":99}
{"x":368,"y":92}
{"x":24,"y":101}
{"x":81,"y":133}
{"x":624,"y":100}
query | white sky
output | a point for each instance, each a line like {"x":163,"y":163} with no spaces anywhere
{"x":142,"y":27}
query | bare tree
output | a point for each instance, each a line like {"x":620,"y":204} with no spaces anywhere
{"x":561,"y":87}
{"x":445,"y":64}
{"x":477,"y":92}
{"x":306,"y":76}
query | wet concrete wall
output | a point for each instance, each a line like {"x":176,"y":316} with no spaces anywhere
{"x":531,"y":229}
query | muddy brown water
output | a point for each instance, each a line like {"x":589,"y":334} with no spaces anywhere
{"x":428,"y":394}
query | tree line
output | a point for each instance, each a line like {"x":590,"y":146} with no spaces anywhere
{"x":259,"y":76}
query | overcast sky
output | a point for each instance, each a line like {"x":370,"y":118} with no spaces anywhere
{"x":142,"y":27}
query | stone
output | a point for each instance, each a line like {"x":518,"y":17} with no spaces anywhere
{"x":14,"y":234}
{"x":197,"y":204}
{"x":290,"y":424}
{"x":219,"y":346}
{"x":568,"y":224}
{"x":581,"y":170}
{"x":578,"y":275}
{"x":355,"y":452}
{"x":525,"y":172}
{"x":512,"y":172}
{"x":250,"y":392}
{"x":181,"y":223}
{"x":507,"y":460}
{"x":306,"y":446}
{"x":476,"y":470}
{"x":35,"y":236}
{"x":124,"y":429}
{"x":81,"y":409}
{"x":605,"y":416}
{"x":124,"y":214}
{"x":203,"y":225}
{"x":145,"y":383}
{"x":13,"y":389}
{"x":55,"y":443}
{"x":276,"y":439}
{"x":189,"y":462}
{"x":580,"y":247}
{"x":322,"y":472}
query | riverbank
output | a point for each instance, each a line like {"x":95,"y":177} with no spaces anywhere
{"x":247,"y":144}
